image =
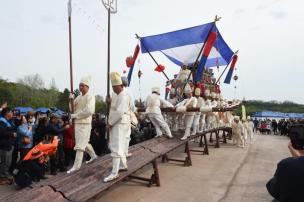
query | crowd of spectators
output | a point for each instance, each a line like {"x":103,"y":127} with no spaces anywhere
{"x":19,"y":133}
{"x":275,"y":127}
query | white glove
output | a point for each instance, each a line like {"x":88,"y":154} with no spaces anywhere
{"x":72,"y":96}
{"x":73,"y":116}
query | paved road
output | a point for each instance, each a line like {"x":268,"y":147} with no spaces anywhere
{"x":228,"y":174}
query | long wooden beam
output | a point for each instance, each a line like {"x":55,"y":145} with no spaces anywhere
{"x":194,"y":109}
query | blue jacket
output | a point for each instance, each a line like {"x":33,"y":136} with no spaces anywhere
{"x":7,"y":129}
{"x":23,"y":131}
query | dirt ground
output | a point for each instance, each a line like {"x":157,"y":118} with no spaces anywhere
{"x":228,"y":174}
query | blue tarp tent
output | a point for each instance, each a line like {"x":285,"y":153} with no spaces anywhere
{"x":24,"y":110}
{"x":295,"y":116}
{"x":271,"y":114}
{"x":57,"y":111}
{"x":43,"y":110}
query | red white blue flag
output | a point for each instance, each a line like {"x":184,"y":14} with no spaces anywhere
{"x":183,"y":46}
{"x":231,"y":69}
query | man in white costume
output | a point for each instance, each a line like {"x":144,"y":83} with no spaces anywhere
{"x":84,"y":108}
{"x":125,"y":83}
{"x":153,"y":104}
{"x":183,"y":74}
{"x":249,"y":128}
{"x":172,"y":116}
{"x":189,"y":102}
{"x":197,"y":116}
{"x":244,"y":132}
{"x":237,"y":129}
{"x":119,"y":123}
{"x":214,"y":118}
{"x":209,"y":116}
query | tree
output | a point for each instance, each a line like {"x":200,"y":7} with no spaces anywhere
{"x":100,"y":107}
{"x":63,"y":100}
{"x":53,"y":85}
{"x":34,"y":81}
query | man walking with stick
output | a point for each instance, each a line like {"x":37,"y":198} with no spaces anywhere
{"x":84,"y":106}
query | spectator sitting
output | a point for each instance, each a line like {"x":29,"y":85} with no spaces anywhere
{"x":54,"y":129}
{"x":7,"y":138}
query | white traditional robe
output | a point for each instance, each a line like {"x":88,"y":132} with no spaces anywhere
{"x":189,"y":116}
{"x":119,"y":119}
{"x":237,"y":129}
{"x":196,"y":120}
{"x":153,"y":104}
{"x":84,"y":109}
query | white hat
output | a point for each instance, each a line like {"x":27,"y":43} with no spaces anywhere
{"x":156,"y":90}
{"x":248,"y":117}
{"x":236,"y":118}
{"x":213,"y":95}
{"x":172,"y":91}
{"x":187,"y":89}
{"x":197,"y":92}
{"x":86,"y":80}
{"x":115,"y":79}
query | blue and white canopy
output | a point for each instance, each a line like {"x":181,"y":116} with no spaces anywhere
{"x":183,"y":46}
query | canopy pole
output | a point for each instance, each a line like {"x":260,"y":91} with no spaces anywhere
{"x":192,"y":70}
{"x":138,"y":37}
{"x":236,"y":52}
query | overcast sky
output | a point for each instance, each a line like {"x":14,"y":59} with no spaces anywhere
{"x":268,"y":34}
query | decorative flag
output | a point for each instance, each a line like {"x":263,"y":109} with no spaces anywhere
{"x":243,"y":112}
{"x":231,"y":69}
{"x":201,"y":65}
{"x":70,"y":8}
{"x":182,"y":46}
{"x":159,"y":68}
{"x":129,"y":61}
{"x":135,"y":54}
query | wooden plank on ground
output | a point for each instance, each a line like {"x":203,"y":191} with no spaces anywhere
{"x":137,"y":161}
{"x":38,"y":194}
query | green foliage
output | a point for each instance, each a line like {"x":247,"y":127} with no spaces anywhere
{"x":285,"y":107}
{"x":31,"y":93}
{"x":100,"y":107}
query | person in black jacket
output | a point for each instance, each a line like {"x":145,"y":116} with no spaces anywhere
{"x":54,"y":129}
{"x":288,"y":181}
{"x":7,"y":140}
